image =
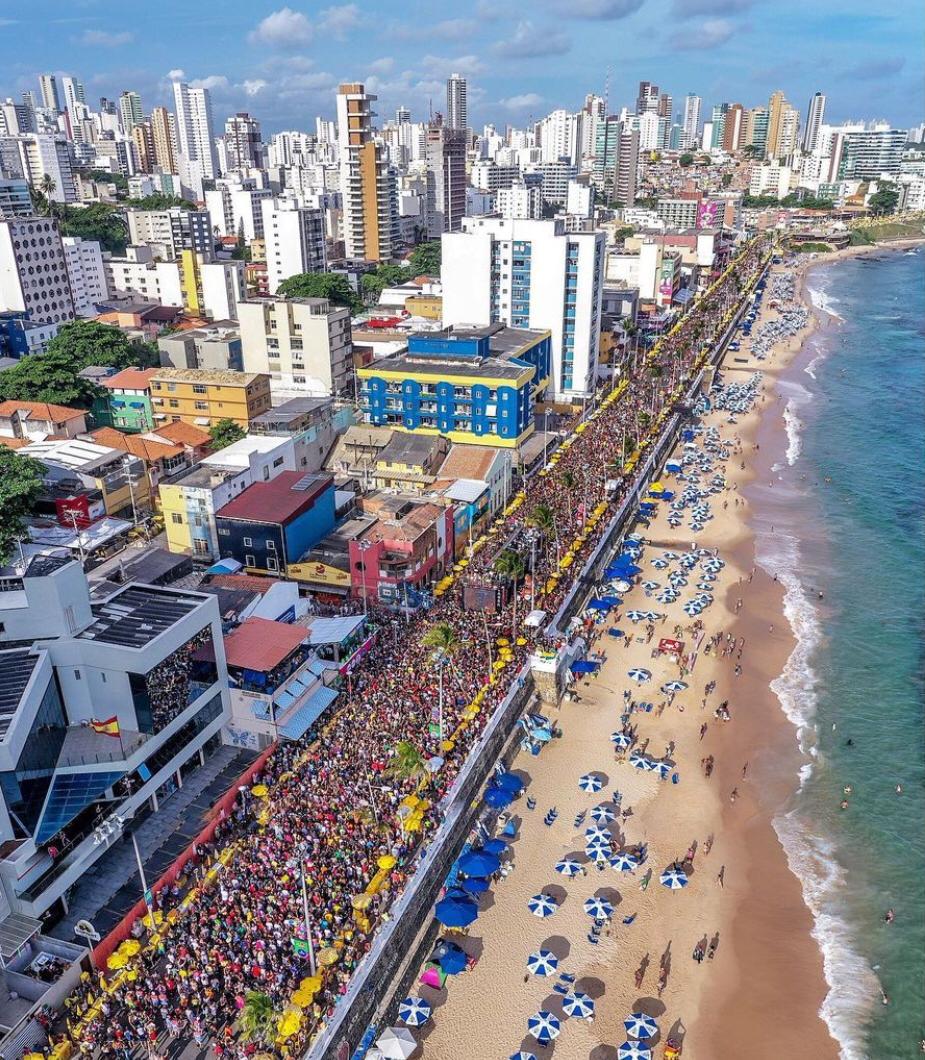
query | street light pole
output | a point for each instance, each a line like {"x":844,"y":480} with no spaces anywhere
{"x":308,"y":921}
{"x":144,"y":882}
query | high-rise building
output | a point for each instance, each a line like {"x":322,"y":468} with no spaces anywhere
{"x":589,"y":117}
{"x":31,"y":250}
{"x":756,"y":130}
{"x":75,"y":103}
{"x":718,"y":118}
{"x":16,"y":118}
{"x":557,"y":136}
{"x":367,"y":181}
{"x":143,"y":140}
{"x":87,"y":277}
{"x":130,"y":111}
{"x":40,"y":155}
{"x":691,"y":128}
{"x":294,"y":237}
{"x":243,"y":142}
{"x":869,"y":152}
{"x":530,"y":274}
{"x":815,"y":116}
{"x":734,"y":128}
{"x":163,"y":133}
{"x":665,"y":104}
{"x":195,"y":136}
{"x":783,"y":126}
{"x":647,"y":99}
{"x":457,"y":104}
{"x":445,"y":158}
{"x":48,"y":86}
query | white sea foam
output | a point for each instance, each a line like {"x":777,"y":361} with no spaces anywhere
{"x":821,"y":298}
{"x":797,"y":396}
{"x":810,"y":369}
{"x":853,"y":986}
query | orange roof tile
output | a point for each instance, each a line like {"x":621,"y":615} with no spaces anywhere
{"x":131,"y":379}
{"x":183,"y":433}
{"x":14,"y":443}
{"x":41,"y":410}
{"x":144,"y":448}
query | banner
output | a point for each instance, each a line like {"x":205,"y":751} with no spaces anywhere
{"x":319,"y":574}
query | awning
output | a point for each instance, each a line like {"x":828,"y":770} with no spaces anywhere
{"x":684,"y":296}
{"x":225,"y":566}
{"x":202,"y":421}
{"x":311,"y":710}
{"x":15,"y":931}
{"x":584,"y":666}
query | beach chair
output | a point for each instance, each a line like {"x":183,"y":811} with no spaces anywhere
{"x":531,"y":802}
{"x":593,"y":939}
{"x":629,"y":919}
{"x":580,"y":819}
{"x":566,"y":977}
{"x":561,"y":988}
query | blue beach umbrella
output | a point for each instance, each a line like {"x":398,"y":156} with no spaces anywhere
{"x":674,"y":879}
{"x":638,"y":675}
{"x":568,"y":867}
{"x":453,"y":960}
{"x":542,"y":905}
{"x":599,"y":908}
{"x":498,"y":798}
{"x":639,"y":1025}
{"x":590,"y":782}
{"x":621,"y":739}
{"x":522,"y":1055}
{"x":544,"y":1026}
{"x":674,"y":686}
{"x":479,"y":863}
{"x":639,"y":761}
{"x":509,"y":782}
{"x":454,"y":912}
{"x":662,"y":768}
{"x":414,"y":1011}
{"x":660,"y":564}
{"x":475,"y":885}
{"x":543,"y":962}
{"x":692,"y":608}
{"x":578,"y":1005}
{"x":598,"y":852}
{"x":634,"y":1051}
{"x":602,"y":814}
{"x":495,"y":846}
{"x":635,"y":616}
{"x":597,"y":832}
{"x":624,"y":862}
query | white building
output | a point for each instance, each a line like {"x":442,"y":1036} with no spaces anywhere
{"x":294,"y":237}
{"x":139,"y":273}
{"x":174,"y":230}
{"x":815,"y":116}
{"x":153,"y":659}
{"x":33,"y":270}
{"x":520,"y":201}
{"x":530,"y":274}
{"x":305,"y":342}
{"x":235,"y":208}
{"x":222,"y":288}
{"x":84,"y":261}
{"x":557,"y":135}
{"x":691,"y":124}
{"x":579,"y":199}
{"x":770,"y":178}
{"x":195,"y":133}
{"x":457,"y":102}
{"x":43,"y":155}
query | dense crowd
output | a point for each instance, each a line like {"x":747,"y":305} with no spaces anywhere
{"x":334,"y":805}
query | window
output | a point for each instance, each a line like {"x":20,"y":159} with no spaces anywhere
{"x":248,"y":542}
{"x":198,"y":388}
{"x":271,"y":545}
{"x":223,"y":531}
{"x":176,"y":518}
{"x":272,"y":564}
{"x":202,"y":406}
{"x":174,"y":404}
{"x":278,"y":461}
{"x":249,"y":561}
{"x":77,"y":675}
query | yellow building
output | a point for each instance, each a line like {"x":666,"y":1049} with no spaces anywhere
{"x":428,"y":306}
{"x":204,"y":396}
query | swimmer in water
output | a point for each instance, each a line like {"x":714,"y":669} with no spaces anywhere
{"x":847,"y":789}
{"x":844,"y":804}
{"x":889,"y":916}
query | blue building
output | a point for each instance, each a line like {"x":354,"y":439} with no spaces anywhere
{"x":473,"y":385}
{"x":272,"y":524}
{"x":20,"y":335}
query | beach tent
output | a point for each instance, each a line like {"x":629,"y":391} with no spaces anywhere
{"x":498,"y":798}
{"x":479,"y":863}
{"x":585,"y":666}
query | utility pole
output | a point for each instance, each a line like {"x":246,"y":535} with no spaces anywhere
{"x":72,"y":515}
{"x":144,"y":882}
{"x":308,"y":922}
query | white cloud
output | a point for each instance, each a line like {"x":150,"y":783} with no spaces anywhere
{"x":709,"y":34}
{"x":102,"y":39}
{"x":176,"y":75}
{"x":440,"y":66}
{"x":213,"y":82}
{"x":521,"y":102}
{"x":339,"y":20}
{"x":452,"y":28}
{"x":384,"y":65}
{"x":283,"y":29}
{"x":252,"y":88}
{"x":529,"y":41}
{"x":603,"y":10}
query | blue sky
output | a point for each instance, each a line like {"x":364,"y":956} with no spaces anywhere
{"x":282,"y":63}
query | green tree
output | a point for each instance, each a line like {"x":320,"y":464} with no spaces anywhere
{"x":510,"y":565}
{"x":543,"y":518}
{"x":51,"y":377}
{"x":334,"y":287}
{"x":159,"y":201}
{"x":687,"y":159}
{"x":407,"y":763}
{"x":374,"y":283}
{"x":884,"y":201}
{"x":257,"y":1021}
{"x":102,"y":176}
{"x":98,"y":222}
{"x":89,"y":342}
{"x":425,"y":258}
{"x":225,"y":433}
{"x":442,"y":638}
{"x":20,"y":486}
{"x":753,"y":151}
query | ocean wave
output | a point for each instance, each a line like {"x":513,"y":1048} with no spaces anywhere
{"x":797,"y":396}
{"x":821,"y":298}
{"x":810,"y":369}
{"x":853,"y":986}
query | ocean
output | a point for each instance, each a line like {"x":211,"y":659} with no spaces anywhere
{"x":843,"y":528}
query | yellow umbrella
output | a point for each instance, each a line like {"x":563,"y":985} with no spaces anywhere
{"x":130,"y":947}
{"x":116,"y":961}
{"x":303,"y":998}
{"x":311,"y":982}
{"x":414,"y":823}
{"x":289,"y":1024}
{"x":328,"y":956}
{"x":260,"y":790}
{"x":387,"y":861}
{"x":361,"y":901}
{"x":131,"y":974}
{"x":521,"y":641}
{"x":502,"y":642}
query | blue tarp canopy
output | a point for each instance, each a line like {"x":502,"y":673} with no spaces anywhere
{"x":585,"y":666}
{"x":683,"y":296}
{"x":225,"y":566}
{"x":295,"y":728}
{"x":600,"y":604}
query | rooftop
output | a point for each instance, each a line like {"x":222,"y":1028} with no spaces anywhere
{"x":259,"y":644}
{"x":425,"y":364}
{"x":74,"y":453}
{"x":136,"y":444}
{"x":468,"y":461}
{"x":40,"y":410}
{"x":133,"y":617}
{"x":238,"y":454}
{"x":183,"y":433}
{"x":291,"y":410}
{"x":130,"y":379}
{"x":279,"y":500}
{"x":217,"y":376}
{"x":16,"y":669}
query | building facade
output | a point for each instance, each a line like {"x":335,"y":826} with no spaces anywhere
{"x":204,"y":398}
{"x":33,"y":270}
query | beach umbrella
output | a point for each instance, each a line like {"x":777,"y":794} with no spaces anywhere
{"x":544,"y":1026}
{"x":624,"y":862}
{"x":590,"y":782}
{"x":479,"y":863}
{"x":396,"y":1043}
{"x":542,"y":905}
{"x":705,"y":586}
{"x":638,"y":675}
{"x":635,"y":616}
{"x":578,"y":1005}
{"x":692,"y":608}
{"x":602,"y":814}
{"x":621,"y":739}
{"x":674,"y":879}
{"x":677,"y":580}
{"x":650,"y":586}
{"x":599,"y":908}
{"x":622,"y":586}
{"x":495,"y":846}
{"x":667,"y":596}
{"x":522,"y":1055}
{"x":674,"y":686}
{"x":662,"y":768}
{"x":639,"y":1025}
{"x":475,"y":884}
{"x":598,"y":852}
{"x":498,"y":798}
{"x":670,"y":555}
{"x":596,"y":832}
{"x":509,"y":782}
{"x":639,"y":761}
{"x":414,"y":1011}
{"x":660,"y":564}
{"x":543,"y":962}
{"x":568,"y":867}
{"x":634,"y":1051}
{"x":653,"y":616}
{"x":454,"y":912}
{"x":453,"y":961}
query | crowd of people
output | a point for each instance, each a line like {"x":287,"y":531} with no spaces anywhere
{"x":334,"y":805}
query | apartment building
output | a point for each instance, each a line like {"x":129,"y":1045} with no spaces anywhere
{"x":294,"y":239}
{"x":33,"y":270}
{"x":204,"y":397}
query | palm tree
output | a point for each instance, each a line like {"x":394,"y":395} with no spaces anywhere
{"x":543,"y":519}
{"x":258,"y":1017}
{"x":568,"y":480}
{"x":510,"y":565}
{"x":442,"y":638}
{"x":408,"y":762}
{"x":47,"y":187}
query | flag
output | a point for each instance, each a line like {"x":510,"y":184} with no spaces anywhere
{"x":300,"y":947}
{"x":109,"y":727}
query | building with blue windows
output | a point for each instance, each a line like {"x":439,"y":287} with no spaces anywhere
{"x":474,"y":385}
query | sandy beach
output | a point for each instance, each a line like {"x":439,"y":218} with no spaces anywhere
{"x":766,"y":961}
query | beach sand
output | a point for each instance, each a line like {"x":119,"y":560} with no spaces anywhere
{"x":761,"y":994}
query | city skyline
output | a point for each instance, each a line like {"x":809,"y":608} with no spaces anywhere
{"x":283,"y":63}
